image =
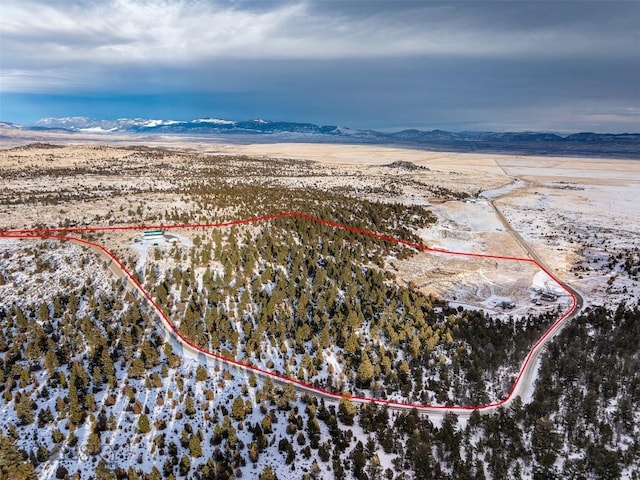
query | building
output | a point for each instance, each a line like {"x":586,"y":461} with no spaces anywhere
{"x":153,"y":235}
{"x":548,"y":296}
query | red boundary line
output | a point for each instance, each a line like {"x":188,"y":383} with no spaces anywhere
{"x":60,"y":234}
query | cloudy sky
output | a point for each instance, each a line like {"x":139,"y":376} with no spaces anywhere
{"x":388,"y":64}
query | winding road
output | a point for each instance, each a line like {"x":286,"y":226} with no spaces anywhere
{"x":522,"y":386}
{"x":526,"y":385}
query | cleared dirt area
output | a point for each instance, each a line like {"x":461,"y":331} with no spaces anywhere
{"x":582,"y":217}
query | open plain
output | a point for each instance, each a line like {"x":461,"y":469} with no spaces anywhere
{"x":428,"y":319}
{"x":580,"y":215}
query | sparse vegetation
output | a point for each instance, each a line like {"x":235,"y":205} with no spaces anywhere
{"x":90,"y":385}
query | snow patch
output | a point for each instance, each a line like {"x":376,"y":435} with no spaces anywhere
{"x":498,"y":192}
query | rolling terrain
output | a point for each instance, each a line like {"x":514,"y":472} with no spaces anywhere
{"x":110,"y":393}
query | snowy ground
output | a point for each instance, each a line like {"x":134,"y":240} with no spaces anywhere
{"x":142,"y":246}
{"x":585,"y":227}
{"x":581,"y":216}
{"x":38,"y":278}
{"x":40,"y":270}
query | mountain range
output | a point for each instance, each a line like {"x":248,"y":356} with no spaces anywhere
{"x":539,"y":143}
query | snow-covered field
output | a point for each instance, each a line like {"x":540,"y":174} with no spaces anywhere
{"x":36,"y":272}
{"x":586,"y":228}
{"x":580,"y":216}
{"x":142,"y":246}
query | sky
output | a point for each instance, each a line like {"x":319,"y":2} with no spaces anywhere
{"x":562,"y":66}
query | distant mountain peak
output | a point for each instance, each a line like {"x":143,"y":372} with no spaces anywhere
{"x":526,"y":143}
{"x":215,"y":121}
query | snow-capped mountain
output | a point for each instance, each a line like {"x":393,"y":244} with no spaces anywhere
{"x":538,"y":143}
{"x":90,"y":124}
{"x":200,"y":125}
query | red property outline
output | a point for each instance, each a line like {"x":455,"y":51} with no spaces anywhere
{"x":60,"y":234}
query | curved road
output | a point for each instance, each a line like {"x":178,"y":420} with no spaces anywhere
{"x":525,"y":387}
{"x":521,"y":387}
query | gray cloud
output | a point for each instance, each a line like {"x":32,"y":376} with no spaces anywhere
{"x":129,"y":31}
{"x":549,"y":65}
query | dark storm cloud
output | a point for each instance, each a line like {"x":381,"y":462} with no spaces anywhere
{"x":379,"y":64}
{"x":494,"y":15}
{"x":597,"y":24}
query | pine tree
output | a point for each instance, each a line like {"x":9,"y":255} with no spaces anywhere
{"x":546,"y":443}
{"x":57,"y":307}
{"x":103,"y":472}
{"x":154,"y":474}
{"x":12,"y":464}
{"x":238,"y":409}
{"x":94,"y":445}
{"x":108,"y":369}
{"x":189,"y":406}
{"x":132,"y":474}
{"x":45,"y":416}
{"x":194,"y":447}
{"x":253,"y":452}
{"x":137,"y":368}
{"x":149,"y":354}
{"x":185,"y":465}
{"x":111,"y":422}
{"x":324,"y":452}
{"x":24,"y":410}
{"x":365,"y":371}
{"x":351,"y":343}
{"x":75,"y":412}
{"x":43,"y":312}
{"x":268,"y":388}
{"x":289,"y":392}
{"x":167,"y":468}
{"x":201,"y":373}
{"x":359,"y":460}
{"x":97,"y":376}
{"x":143,"y":424}
{"x":267,"y":474}
{"x":346,"y":411}
{"x":62,"y":472}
